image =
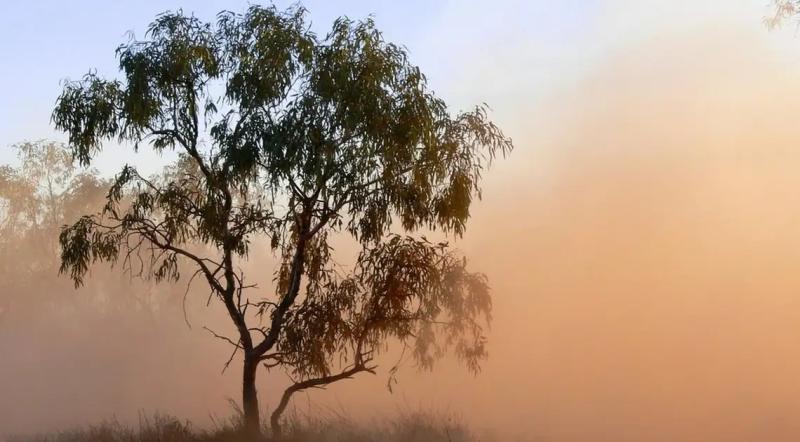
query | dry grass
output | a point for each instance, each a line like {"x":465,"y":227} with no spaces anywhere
{"x":411,"y":427}
{"x":407,"y":427}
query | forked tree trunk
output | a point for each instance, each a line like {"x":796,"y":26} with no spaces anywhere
{"x":252,"y":420}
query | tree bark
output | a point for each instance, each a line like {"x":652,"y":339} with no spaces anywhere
{"x":252,"y":419}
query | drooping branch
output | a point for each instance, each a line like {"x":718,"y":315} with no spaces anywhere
{"x":319,"y":382}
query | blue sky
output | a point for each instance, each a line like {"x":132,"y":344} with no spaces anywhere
{"x":512,"y":54}
{"x":43,"y":42}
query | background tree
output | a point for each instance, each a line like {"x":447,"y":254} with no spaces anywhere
{"x":781,"y":11}
{"x":295,"y":138}
{"x":37,"y":196}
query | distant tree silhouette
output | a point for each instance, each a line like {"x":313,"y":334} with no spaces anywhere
{"x":296,"y":138}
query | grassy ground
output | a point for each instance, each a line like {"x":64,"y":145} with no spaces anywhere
{"x":413,"y":427}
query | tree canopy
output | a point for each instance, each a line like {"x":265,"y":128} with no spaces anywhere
{"x":781,"y":11}
{"x":296,"y":138}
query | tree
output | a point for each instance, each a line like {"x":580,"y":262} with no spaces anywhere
{"x":782,"y":10}
{"x":296,"y":138}
{"x":39,"y":194}
{"x":37,"y":197}
{"x":35,"y":193}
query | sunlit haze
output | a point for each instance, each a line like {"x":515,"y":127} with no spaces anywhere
{"x":641,"y":242}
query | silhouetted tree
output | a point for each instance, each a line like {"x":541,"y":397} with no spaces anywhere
{"x":293,"y":137}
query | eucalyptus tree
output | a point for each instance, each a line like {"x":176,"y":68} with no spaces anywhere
{"x":296,"y":138}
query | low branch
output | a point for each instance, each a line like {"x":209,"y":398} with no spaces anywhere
{"x":319,"y":382}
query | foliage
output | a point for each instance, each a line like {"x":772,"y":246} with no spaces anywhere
{"x":37,"y":196}
{"x":44,"y":188}
{"x":356,"y":313}
{"x":297,"y":138}
{"x":782,"y":10}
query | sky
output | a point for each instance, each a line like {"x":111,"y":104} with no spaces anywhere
{"x":641,"y":241}
{"x":45,"y":42}
{"x":519,"y":52}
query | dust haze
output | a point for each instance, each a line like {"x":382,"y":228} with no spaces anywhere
{"x":643,"y":247}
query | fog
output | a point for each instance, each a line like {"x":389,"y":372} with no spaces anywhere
{"x":642,"y":243}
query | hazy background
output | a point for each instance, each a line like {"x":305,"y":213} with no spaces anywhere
{"x":642,"y":242}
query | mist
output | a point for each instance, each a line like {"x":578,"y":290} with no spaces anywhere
{"x":644,"y":281}
{"x":642,"y":245}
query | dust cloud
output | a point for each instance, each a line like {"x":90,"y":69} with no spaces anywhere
{"x":642,"y":242}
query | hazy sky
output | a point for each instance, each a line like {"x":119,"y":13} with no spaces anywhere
{"x":45,"y":41}
{"x":642,"y":241}
{"x":508,"y":53}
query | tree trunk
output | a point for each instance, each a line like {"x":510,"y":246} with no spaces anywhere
{"x":275,"y":417}
{"x":252,"y":420}
{"x":275,"y":424}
